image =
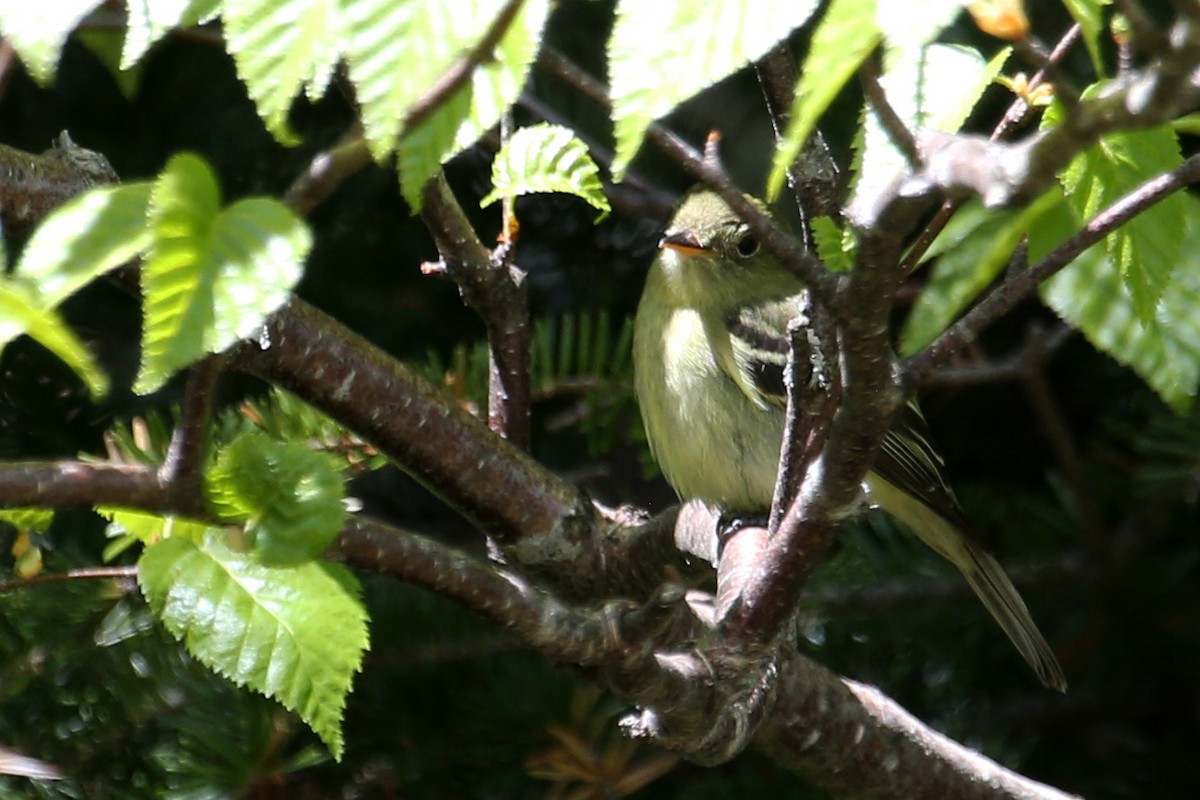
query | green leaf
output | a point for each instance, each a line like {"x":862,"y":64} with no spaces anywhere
{"x":38,"y":31}
{"x":211,"y":276}
{"x":1089,"y":294}
{"x":1145,"y":249}
{"x":149,"y":20}
{"x":295,"y":634}
{"x":397,"y":52}
{"x":834,"y":246}
{"x":290,"y":496}
{"x":87,"y":236}
{"x":28,"y":519}
{"x":1090,"y":16}
{"x":457,"y":124}
{"x":907,"y":29}
{"x":279,"y":47}
{"x":105,"y":44}
{"x":661,"y":53}
{"x":933,"y":87}
{"x":978,"y":243}
{"x":23,"y":313}
{"x":148,"y":528}
{"x":546,"y":158}
{"x":847,"y":34}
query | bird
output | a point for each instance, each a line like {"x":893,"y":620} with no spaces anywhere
{"x":710,"y":349}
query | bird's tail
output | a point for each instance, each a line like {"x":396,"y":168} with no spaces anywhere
{"x":987,"y":578}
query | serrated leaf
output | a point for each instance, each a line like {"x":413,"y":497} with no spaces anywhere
{"x":290,"y":497}
{"x":87,"y":236}
{"x":661,"y":53}
{"x":1089,"y":294}
{"x":105,"y":44}
{"x":396,"y":52}
{"x":211,"y":276}
{"x":932,"y":87}
{"x":280,"y":47}
{"x":22,"y":313}
{"x":1090,"y":16}
{"x":294,"y":634}
{"x":477,"y":107}
{"x":1145,"y":249}
{"x":834,"y":246}
{"x":977,"y":243}
{"x":546,"y":158}
{"x":846,"y":35}
{"x":149,"y":20}
{"x":38,"y":31}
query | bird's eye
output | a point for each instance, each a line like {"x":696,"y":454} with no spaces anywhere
{"x":746,"y":245}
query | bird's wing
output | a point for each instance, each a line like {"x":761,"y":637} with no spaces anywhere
{"x":906,"y":459}
{"x":759,"y":349}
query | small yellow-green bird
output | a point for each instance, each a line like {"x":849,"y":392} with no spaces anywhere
{"x":710,"y":347}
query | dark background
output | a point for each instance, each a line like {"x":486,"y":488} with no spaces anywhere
{"x":447,"y":706}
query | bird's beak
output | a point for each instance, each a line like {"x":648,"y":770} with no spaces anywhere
{"x":683,"y":242}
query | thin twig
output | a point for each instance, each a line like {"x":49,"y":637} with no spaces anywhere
{"x":1016,"y":114}
{"x":1005,"y":297}
{"x":183,"y":468}
{"x":495,"y":290}
{"x":83,"y":573}
{"x":327,"y":170}
{"x":897,"y":131}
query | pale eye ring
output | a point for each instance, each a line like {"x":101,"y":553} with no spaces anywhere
{"x":746,"y":244}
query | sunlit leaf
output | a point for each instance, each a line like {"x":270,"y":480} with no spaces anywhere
{"x":933,"y":87}
{"x":846,"y":35}
{"x":663,"y":52}
{"x":21,"y":313}
{"x":212,"y":276}
{"x":289,"y":496}
{"x":38,"y":31}
{"x":546,"y":158}
{"x":149,"y":20}
{"x":281,"y":47}
{"x":296,"y":634}
{"x":1145,"y":249}
{"x":1163,"y":349}
{"x":975,"y":247}
{"x":87,"y":236}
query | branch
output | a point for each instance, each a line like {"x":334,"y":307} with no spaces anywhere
{"x":33,"y":186}
{"x":495,"y":290}
{"x":494,"y":485}
{"x":1005,"y":297}
{"x":327,"y":170}
{"x":183,"y":468}
{"x":1014,"y":117}
{"x":857,"y":742}
{"x":83,"y":573}
{"x":813,"y":176}
{"x":1004,"y":174}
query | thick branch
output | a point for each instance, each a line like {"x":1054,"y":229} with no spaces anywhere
{"x":857,"y":742}
{"x":502,"y":490}
{"x":33,"y":186}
